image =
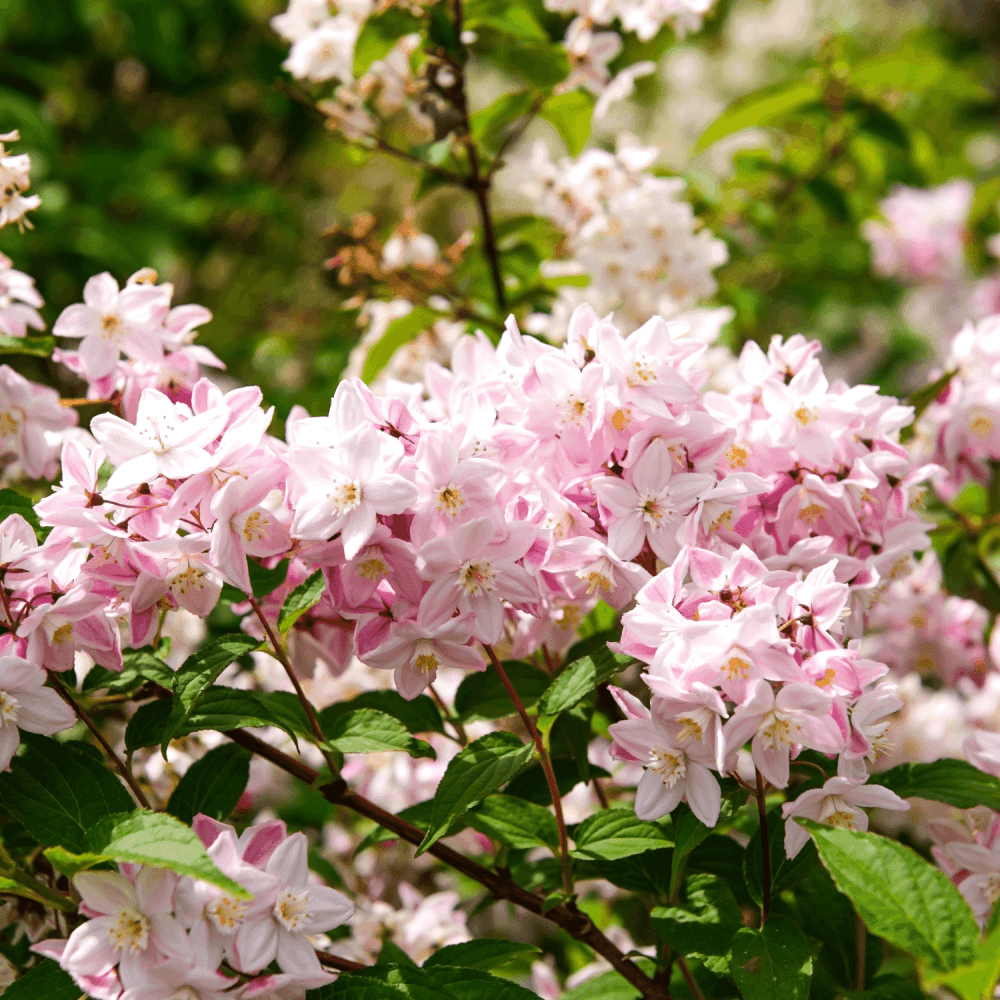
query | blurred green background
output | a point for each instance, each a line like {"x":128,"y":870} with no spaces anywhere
{"x":164,"y":133}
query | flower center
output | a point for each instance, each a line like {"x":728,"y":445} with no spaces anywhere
{"x":10,"y":422}
{"x":981,"y":425}
{"x":476,"y":578}
{"x":425,"y":659}
{"x":63,"y":634}
{"x":130,"y":930}
{"x":111,"y":326}
{"x":189,"y":579}
{"x":991,"y":888}
{"x":643,"y":370}
{"x":184,"y":993}
{"x":575,"y":410}
{"x":372,"y":567}
{"x":670,"y":766}
{"x":735,"y":667}
{"x":226,"y":913}
{"x":842,"y":819}
{"x":292,"y":910}
{"x":345,"y":496}
{"x":777,"y":733}
{"x":812,"y":513}
{"x":805,"y":416}
{"x":691,"y":729}
{"x":651,"y":510}
{"x":450,"y":499}
{"x":8,"y":709}
{"x":254,"y":526}
{"x":737,"y":456}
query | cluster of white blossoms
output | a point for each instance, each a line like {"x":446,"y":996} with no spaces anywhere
{"x":644,"y":17}
{"x":15,"y":179}
{"x":628,"y":230}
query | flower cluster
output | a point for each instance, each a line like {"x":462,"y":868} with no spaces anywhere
{"x":15,"y":179}
{"x":154,"y":935}
{"x":644,"y":17}
{"x":630,"y":231}
{"x":960,"y":429}
{"x":19,"y":301}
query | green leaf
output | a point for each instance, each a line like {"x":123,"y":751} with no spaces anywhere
{"x":923,"y":398}
{"x":159,"y":840}
{"x":830,"y":197}
{"x":956,"y":782}
{"x":264,"y":580}
{"x":305,"y":596}
{"x":212,"y":785}
{"x":604,"y":986}
{"x":648,"y":872}
{"x":356,"y":987}
{"x":772,"y":962}
{"x":420,"y":715}
{"x":379,"y":35}
{"x":69,"y":863}
{"x":478,"y":769}
{"x":570,"y":113}
{"x":140,"y":665}
{"x":512,"y":18}
{"x":12,"y":502}
{"x":39,"y":347}
{"x":399,"y":332}
{"x":60,"y":790}
{"x":580,"y":678}
{"x":198,"y":672}
{"x":976,"y":980}
{"x":759,"y":108}
{"x":483,"y":953}
{"x":366,"y":730}
{"x":689,"y":832}
{"x":46,"y":981}
{"x":900,"y":896}
{"x":516,"y":822}
{"x":473,"y":984}
{"x":616,"y":833}
{"x":483,"y":695}
{"x":888,"y":988}
{"x":785,"y":871}
{"x":490,"y":124}
{"x":706,"y":923}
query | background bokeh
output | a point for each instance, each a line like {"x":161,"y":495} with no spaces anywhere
{"x":167,"y":134}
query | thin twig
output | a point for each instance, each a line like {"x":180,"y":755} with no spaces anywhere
{"x":336,"y":962}
{"x":407,"y":156}
{"x":692,"y":983}
{"x":515,"y":133}
{"x":765,"y":848}
{"x":860,"y":944}
{"x":282,"y":658}
{"x":112,"y":756}
{"x":565,"y":861}
{"x":460,"y":732}
{"x":499,"y":883}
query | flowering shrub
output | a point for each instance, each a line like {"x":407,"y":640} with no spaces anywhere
{"x":624,"y":633}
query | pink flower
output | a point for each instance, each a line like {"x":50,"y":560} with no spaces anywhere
{"x":344,"y":487}
{"x":670,"y":775}
{"x":835,"y":804}
{"x":798,"y":715}
{"x":25,"y":703}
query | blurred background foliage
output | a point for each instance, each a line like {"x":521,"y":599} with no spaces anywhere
{"x":165,"y":133}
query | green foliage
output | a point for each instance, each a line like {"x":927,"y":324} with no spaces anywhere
{"x":39,"y":347}
{"x":772,"y":962}
{"x":484,"y":696}
{"x":59,"y":791}
{"x":305,"y":596}
{"x":140,"y":665}
{"x":616,"y":833}
{"x":580,"y":678}
{"x":212,"y":785}
{"x":399,"y":332}
{"x":419,"y":715}
{"x":46,"y":981}
{"x":366,"y":730}
{"x":785,"y":871}
{"x":196,"y":675}
{"x":515,"y":822}
{"x":483,"y":953}
{"x":956,"y":782}
{"x":433,"y":982}
{"x":478,"y":769}
{"x":705,"y":923}
{"x":570,"y":113}
{"x":900,"y":896}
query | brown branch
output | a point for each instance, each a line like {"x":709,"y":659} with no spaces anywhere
{"x":765,"y":848}
{"x":565,"y":862}
{"x":118,"y":763}
{"x":336,"y":962}
{"x":499,"y":883}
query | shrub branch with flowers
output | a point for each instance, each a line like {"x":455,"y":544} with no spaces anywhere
{"x":658,"y":619}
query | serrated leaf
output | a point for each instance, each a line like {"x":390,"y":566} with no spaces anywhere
{"x":212,"y":785}
{"x":604,"y":986}
{"x":399,"y":332}
{"x":159,"y":840}
{"x":616,"y":833}
{"x":139,"y":666}
{"x":489,"y":124}
{"x":263,"y":579}
{"x":484,"y":696}
{"x":69,"y":863}
{"x":419,"y":715}
{"x":516,"y":822}
{"x":406,"y":978}
{"x":39,"y":347}
{"x":197,"y":673}
{"x":772,"y":962}
{"x":305,"y":596}
{"x":366,"y":730}
{"x":580,"y":678}
{"x":956,"y":782}
{"x":759,"y":108}
{"x":473,"y":984}
{"x":379,"y":35}
{"x":706,"y":922}
{"x":482,"y":953}
{"x":570,"y":114}
{"x":46,"y":981}
{"x":689,"y":832}
{"x":900,"y":896}
{"x":478,"y":769}
{"x":58,"y":791}
{"x":355,"y":987}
